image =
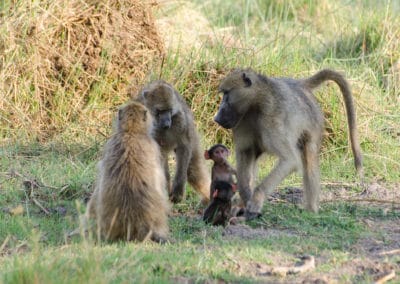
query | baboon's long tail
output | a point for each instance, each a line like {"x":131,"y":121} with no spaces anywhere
{"x":327,"y":74}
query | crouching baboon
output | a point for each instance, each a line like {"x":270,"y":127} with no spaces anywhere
{"x":129,"y":201}
{"x":221,"y":170}
{"x":279,"y":116}
{"x":218,"y":211}
{"x":175,"y":131}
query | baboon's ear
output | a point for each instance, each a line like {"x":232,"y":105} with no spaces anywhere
{"x":206,"y":155}
{"x":246,"y":80}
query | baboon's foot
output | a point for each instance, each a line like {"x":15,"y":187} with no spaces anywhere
{"x":251,"y":215}
{"x":175,"y":197}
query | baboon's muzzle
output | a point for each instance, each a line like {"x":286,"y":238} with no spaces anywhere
{"x":164,"y":121}
{"x":226,"y":117}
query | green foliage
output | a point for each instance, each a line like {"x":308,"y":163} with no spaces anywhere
{"x":333,"y":228}
{"x":253,"y":12}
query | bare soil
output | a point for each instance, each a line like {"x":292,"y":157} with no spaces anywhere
{"x":374,"y":256}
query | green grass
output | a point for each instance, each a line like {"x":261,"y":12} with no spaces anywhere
{"x":37,"y":246}
{"x":277,"y":38}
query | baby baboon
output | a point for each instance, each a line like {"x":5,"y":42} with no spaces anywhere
{"x":279,"y":116}
{"x":175,"y":132}
{"x":221,"y":169}
{"x":129,"y":201}
{"x":219,"y":210}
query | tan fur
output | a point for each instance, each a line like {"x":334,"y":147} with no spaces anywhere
{"x":129,"y":201}
{"x":279,"y":116}
{"x":175,"y":132}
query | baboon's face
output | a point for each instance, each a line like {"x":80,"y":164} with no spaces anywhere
{"x":134,"y":117}
{"x":219,"y":155}
{"x":160,"y":99}
{"x":237,"y":96}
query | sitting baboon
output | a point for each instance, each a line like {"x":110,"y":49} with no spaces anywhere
{"x":175,"y":132}
{"x":218,"y":211}
{"x":279,"y":116}
{"x":129,"y":201}
{"x":221,"y":170}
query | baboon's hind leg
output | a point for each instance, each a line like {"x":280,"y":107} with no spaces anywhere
{"x":311,"y":175}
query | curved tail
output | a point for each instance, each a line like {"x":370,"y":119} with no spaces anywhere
{"x":327,"y":74}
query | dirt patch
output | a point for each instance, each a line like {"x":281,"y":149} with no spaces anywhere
{"x":374,"y":256}
{"x":358,"y":269}
{"x":292,"y":195}
{"x":361,"y":270}
{"x":383,"y":243}
{"x":373,"y":193}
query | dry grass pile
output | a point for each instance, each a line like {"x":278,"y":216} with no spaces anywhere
{"x":67,"y":63}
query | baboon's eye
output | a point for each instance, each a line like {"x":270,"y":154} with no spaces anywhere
{"x":225,"y":92}
{"x":225,"y":97}
{"x":145,"y":93}
{"x":163,"y":112}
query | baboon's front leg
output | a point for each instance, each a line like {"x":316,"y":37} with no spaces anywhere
{"x":275,"y":177}
{"x":246,"y":160}
{"x":183,"y":157}
{"x":164,"y":161}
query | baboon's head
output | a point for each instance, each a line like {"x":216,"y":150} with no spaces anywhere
{"x":134,"y":117}
{"x":238,"y":95}
{"x":218,"y":153}
{"x":160,"y":98}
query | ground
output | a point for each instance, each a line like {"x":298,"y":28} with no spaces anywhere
{"x":371,"y":257}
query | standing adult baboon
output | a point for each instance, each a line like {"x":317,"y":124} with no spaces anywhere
{"x":129,"y":201}
{"x":175,"y":131}
{"x":279,"y":116}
